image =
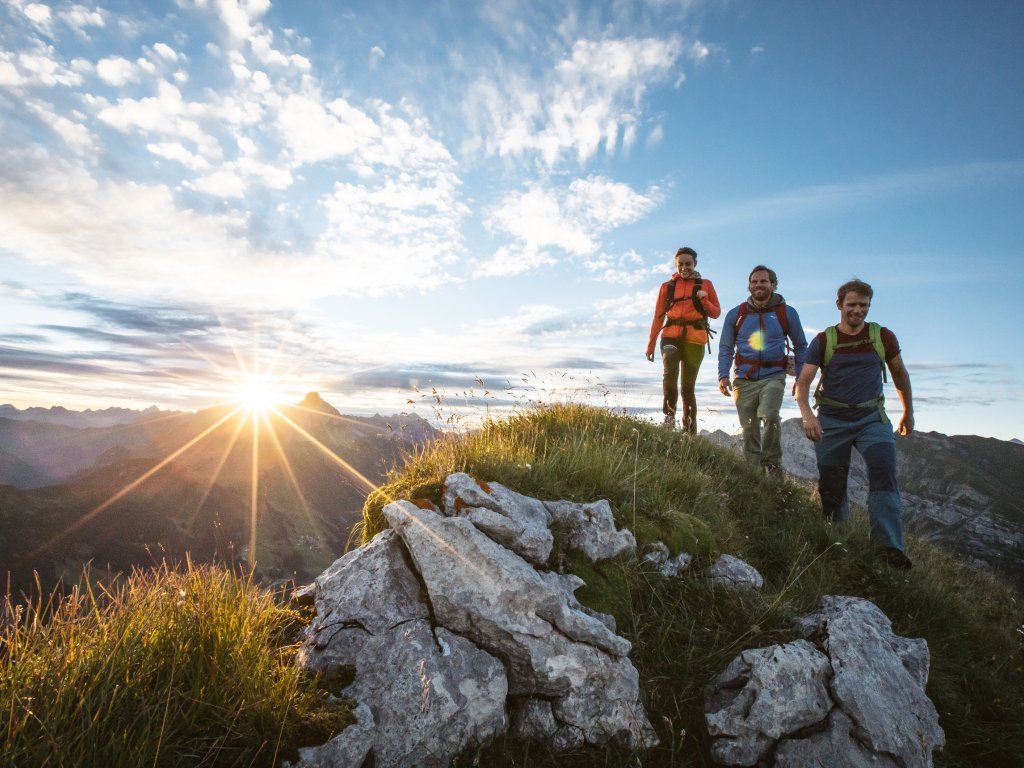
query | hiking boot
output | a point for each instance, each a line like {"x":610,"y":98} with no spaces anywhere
{"x":670,"y":421}
{"x":898,"y":559}
{"x":772,"y":470}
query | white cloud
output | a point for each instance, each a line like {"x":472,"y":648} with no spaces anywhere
{"x":407,"y":226}
{"x":655,"y":136}
{"x":165,"y":52}
{"x":625,"y":269}
{"x":240,"y":16}
{"x":40,"y":16}
{"x":74,"y":134}
{"x":131,"y":238}
{"x":570,"y":220}
{"x":177,"y":152}
{"x":37,"y":67}
{"x":313,"y":133}
{"x":116,"y":71}
{"x":588,"y":100}
{"x":166,"y":114}
{"x":80,"y":18}
{"x":628,"y":306}
{"x":221,"y":183}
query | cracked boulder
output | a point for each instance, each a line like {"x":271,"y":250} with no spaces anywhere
{"x":529,"y":619}
{"x":444,"y":625}
{"x":430,"y":694}
{"x":849,"y":694}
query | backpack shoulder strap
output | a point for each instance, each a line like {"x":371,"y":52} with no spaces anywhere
{"x":875,"y":337}
{"x":742,"y":311}
{"x":670,"y":294}
{"x":698,"y":284}
{"x":831,"y":337}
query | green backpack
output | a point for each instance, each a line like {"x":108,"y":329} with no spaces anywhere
{"x":831,"y":345}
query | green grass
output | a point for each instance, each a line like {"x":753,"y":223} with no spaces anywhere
{"x":697,"y":497}
{"x":196,"y":666}
{"x":169,"y":667}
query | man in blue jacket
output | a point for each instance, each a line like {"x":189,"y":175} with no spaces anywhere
{"x":754,"y":338}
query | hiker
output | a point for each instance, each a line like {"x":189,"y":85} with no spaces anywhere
{"x":852,"y":357}
{"x":756,"y":336}
{"x":681,"y":315}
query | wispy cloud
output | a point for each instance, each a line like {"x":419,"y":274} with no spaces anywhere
{"x":592,"y":98}
{"x":545,"y":221}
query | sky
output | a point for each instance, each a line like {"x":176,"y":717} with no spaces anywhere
{"x":455,"y":208}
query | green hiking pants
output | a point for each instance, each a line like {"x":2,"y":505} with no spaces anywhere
{"x":758,"y":404}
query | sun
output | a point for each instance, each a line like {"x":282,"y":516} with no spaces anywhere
{"x":256,"y":394}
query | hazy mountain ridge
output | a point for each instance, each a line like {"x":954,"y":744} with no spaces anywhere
{"x":963,"y":492}
{"x":107,"y":417}
{"x":190,"y":495}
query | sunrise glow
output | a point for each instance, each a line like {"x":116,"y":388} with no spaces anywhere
{"x":257,"y":394}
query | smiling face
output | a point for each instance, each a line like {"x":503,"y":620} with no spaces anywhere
{"x":852,"y":310}
{"x":760,"y":286}
{"x":685,"y":264}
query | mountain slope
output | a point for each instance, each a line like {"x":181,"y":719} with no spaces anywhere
{"x":196,"y":483}
{"x":963,"y":492}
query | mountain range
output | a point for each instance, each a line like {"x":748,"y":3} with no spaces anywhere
{"x":122,"y":488}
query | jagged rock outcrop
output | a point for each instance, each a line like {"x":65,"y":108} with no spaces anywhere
{"x":448,"y":621}
{"x":849,"y":694}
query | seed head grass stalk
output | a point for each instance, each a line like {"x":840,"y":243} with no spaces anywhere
{"x":169,"y":666}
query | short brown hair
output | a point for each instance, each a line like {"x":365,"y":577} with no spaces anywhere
{"x":854,"y":286}
{"x":689,"y":250}
{"x":771,"y":274}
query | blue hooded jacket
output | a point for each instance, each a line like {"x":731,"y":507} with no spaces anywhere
{"x":760,"y":341}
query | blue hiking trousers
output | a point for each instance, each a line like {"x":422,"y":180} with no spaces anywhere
{"x":873,"y":439}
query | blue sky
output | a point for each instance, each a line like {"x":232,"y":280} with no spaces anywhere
{"x":377,"y":200}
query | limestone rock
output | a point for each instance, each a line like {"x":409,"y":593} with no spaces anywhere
{"x":433,"y":694}
{"x":361,"y":595}
{"x":517,"y":522}
{"x":590,"y":528}
{"x":764,"y":694}
{"x":494,"y":597}
{"x":443,"y":622}
{"x":850,"y":694}
{"x":878,"y":679}
{"x":730,"y":571}
{"x":835,"y":747}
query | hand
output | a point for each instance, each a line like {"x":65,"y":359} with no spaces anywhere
{"x":906,"y":425}
{"x":702,"y":294}
{"x":812,"y":428}
{"x":650,"y":357}
{"x":725,"y":387}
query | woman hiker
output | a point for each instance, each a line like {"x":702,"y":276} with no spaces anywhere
{"x":681,"y":315}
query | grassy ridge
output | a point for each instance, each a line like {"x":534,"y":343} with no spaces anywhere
{"x":705,"y":500}
{"x":195,"y":666}
{"x":170,"y":667}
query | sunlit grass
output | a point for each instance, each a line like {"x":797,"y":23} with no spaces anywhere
{"x":191,"y":666}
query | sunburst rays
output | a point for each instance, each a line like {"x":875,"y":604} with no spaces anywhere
{"x":264,"y":422}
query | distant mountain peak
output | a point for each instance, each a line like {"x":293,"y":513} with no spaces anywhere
{"x":313,"y":402}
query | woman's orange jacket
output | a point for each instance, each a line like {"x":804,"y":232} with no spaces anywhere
{"x":682,"y":309}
